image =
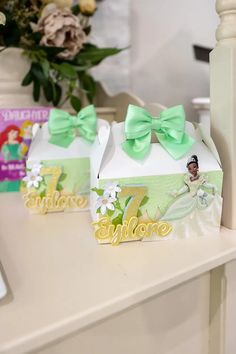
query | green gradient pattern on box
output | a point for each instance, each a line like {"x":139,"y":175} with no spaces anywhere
{"x":57,"y":185}
{"x":160,"y":188}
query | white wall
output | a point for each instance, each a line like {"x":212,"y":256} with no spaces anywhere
{"x":111,"y":28}
{"x":163,"y":68}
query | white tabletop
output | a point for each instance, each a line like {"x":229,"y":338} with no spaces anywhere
{"x":62,"y":280}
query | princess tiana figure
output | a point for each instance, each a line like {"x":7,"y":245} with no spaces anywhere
{"x":194,"y":209}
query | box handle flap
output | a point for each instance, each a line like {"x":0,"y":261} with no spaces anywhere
{"x":207,"y":139}
{"x":99,"y":146}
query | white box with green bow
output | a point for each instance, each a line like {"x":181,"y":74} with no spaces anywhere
{"x":58,"y":165}
{"x":144,"y":190}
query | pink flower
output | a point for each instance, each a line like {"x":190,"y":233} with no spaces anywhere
{"x":60,"y":28}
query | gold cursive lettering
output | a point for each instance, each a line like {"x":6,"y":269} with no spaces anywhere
{"x":54,"y":202}
{"x":129,"y":230}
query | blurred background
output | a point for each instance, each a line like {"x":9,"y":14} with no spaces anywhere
{"x":160,"y":65}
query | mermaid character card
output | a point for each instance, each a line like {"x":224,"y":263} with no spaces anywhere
{"x":15,"y":139}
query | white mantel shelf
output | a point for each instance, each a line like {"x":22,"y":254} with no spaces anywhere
{"x":63,"y":281}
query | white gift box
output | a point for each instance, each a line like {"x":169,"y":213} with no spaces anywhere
{"x":61,"y":176}
{"x":153,"y":199}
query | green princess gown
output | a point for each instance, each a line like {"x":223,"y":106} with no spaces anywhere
{"x":192,"y":196}
{"x":11,"y":152}
{"x":195,"y":212}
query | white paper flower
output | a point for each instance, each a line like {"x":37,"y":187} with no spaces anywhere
{"x":104,"y":203}
{"x":32,"y":179}
{"x":35,"y":167}
{"x":111,"y":188}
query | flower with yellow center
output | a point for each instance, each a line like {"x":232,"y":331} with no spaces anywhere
{"x":87,"y":7}
{"x":32,"y":179}
{"x":59,"y":3}
{"x":105,"y":203}
{"x":2,"y":19}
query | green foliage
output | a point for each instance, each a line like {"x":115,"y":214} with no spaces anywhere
{"x":62,"y":177}
{"x":110,"y":212}
{"x":87,"y":30}
{"x":98,"y":191}
{"x":45,"y":67}
{"x":28,"y":79}
{"x":88,"y":84}
{"x":56,"y":93}
{"x":36,"y":90}
{"x":117,"y":220}
{"x":58,"y":80}
{"x":66,"y":71}
{"x":38,"y":73}
{"x":127,"y":201}
{"x":92,"y":55}
{"x":59,"y":187}
{"x":48,"y":52}
{"x":75,"y":9}
{"x":75,"y":103}
{"x":42,"y":194}
{"x":144,"y":201}
{"x":118,"y":206}
{"x":139,"y":213}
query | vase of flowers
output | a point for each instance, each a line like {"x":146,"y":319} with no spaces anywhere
{"x":45,"y":51}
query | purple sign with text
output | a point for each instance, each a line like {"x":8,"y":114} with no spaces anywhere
{"x":15,"y":138}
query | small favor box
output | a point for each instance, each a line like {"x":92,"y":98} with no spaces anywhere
{"x":158,"y":196}
{"x":15,"y":139}
{"x":58,"y":177}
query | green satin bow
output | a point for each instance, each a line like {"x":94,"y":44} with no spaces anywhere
{"x":169,"y":129}
{"x":63,"y":127}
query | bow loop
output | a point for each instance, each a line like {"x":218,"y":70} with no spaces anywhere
{"x":64,"y":127}
{"x":142,"y":119}
{"x":169,"y":129}
{"x":173,"y":123}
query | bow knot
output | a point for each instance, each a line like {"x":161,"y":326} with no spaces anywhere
{"x":64,"y":127}
{"x":74,"y":122}
{"x":155,"y":124}
{"x":169,"y":128}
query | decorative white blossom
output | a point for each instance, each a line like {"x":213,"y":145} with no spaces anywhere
{"x":32,"y":179}
{"x":36,"y":167}
{"x":104,"y":203}
{"x":2,"y":19}
{"x":111,"y":188}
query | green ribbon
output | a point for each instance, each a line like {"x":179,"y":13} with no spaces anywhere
{"x":169,"y":128}
{"x":63,"y":127}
